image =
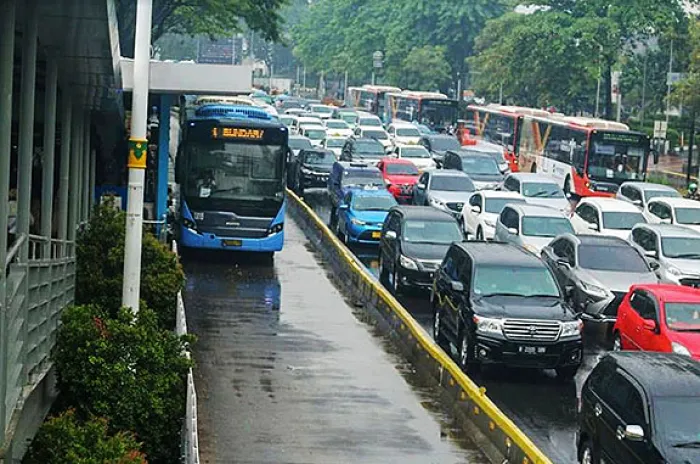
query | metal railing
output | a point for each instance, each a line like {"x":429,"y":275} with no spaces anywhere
{"x":158,"y":228}
{"x":189,"y":434}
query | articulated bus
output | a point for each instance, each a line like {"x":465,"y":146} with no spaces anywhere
{"x":501,"y":125}
{"x":369,"y":98}
{"x":589,"y":157}
{"x":231,"y":173}
{"x":432,"y":109}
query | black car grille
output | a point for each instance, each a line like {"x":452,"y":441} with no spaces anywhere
{"x":406,"y":189}
{"x":691,"y":282}
{"x":455,"y":206}
{"x":531,"y":330}
{"x":232,"y":232}
{"x":367,"y":235}
{"x":430,"y":265}
{"x":605,"y":187}
{"x":612,"y":307}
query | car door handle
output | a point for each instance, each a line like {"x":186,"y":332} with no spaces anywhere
{"x":620,"y":433}
{"x":598,"y":410}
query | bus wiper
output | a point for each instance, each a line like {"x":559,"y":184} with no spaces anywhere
{"x":543,"y":194}
{"x":688,"y":444}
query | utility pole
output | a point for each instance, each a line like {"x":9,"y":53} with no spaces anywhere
{"x":138,"y":149}
{"x":668,"y":82}
{"x":644,"y":92}
{"x":345,"y":88}
{"x":500,"y":94}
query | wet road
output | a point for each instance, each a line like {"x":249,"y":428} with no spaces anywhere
{"x":288,"y":373}
{"x":542,"y":406}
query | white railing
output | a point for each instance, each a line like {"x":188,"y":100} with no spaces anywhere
{"x":190,"y":435}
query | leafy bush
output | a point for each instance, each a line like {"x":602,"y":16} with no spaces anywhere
{"x":66,"y":440}
{"x":100,"y":267}
{"x":128,"y":370}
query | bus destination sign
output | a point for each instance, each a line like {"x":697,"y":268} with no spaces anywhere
{"x":240,"y":133}
{"x":622,"y":137}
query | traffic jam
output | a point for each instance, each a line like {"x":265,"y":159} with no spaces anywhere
{"x":520,"y":229}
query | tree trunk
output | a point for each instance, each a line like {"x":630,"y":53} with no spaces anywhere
{"x":607,"y":91}
{"x":690,"y":147}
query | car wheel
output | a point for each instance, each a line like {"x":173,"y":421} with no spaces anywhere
{"x":567,"y":187}
{"x":333,"y":220}
{"x":533,"y":168}
{"x":300,"y":190}
{"x":383,"y":273}
{"x":465,"y":352}
{"x":346,"y":236}
{"x":438,"y":336}
{"x":567,"y":373}
{"x":480,"y":234}
{"x":588,"y":456}
{"x":617,"y":342}
{"x":396,"y":286}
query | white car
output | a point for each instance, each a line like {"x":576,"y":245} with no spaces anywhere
{"x":479,"y":217}
{"x":298,"y":143}
{"x":538,"y":189}
{"x":313,"y":120}
{"x":606,"y":216}
{"x":296,"y":112}
{"x":316,"y":134}
{"x":403,"y":133}
{"x":376,"y":133}
{"x":680,"y":211}
{"x":337,"y":128}
{"x":640,"y":193}
{"x":322,"y":111}
{"x":334,"y":144}
{"x":368,"y":120}
{"x":531,"y":227}
{"x":287,"y":120}
{"x":416,"y":154}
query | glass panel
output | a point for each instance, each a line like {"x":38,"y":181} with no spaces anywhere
{"x":611,"y":258}
{"x":437,"y":232}
{"x":524,"y":281}
{"x":621,"y":220}
{"x":534,"y":226}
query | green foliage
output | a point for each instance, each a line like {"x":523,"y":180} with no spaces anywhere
{"x":66,"y":440}
{"x":100,"y":267}
{"x":425,"y":68}
{"x":128,"y":370}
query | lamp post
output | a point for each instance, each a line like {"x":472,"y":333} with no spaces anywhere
{"x":377,"y":64}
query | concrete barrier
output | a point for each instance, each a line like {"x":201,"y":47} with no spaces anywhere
{"x":500,"y":439}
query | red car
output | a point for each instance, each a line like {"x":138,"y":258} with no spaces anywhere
{"x":659,"y":317}
{"x":400,"y":176}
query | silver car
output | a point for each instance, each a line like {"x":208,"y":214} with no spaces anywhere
{"x":446,"y":190}
{"x":596,"y":271}
{"x":531,"y":227}
{"x":673,"y":251}
{"x":538,"y":189}
{"x":639,"y":193}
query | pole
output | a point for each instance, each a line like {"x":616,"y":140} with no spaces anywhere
{"x":74,"y":182}
{"x":47,"y":167}
{"x":345,"y":88}
{"x":619,"y":106}
{"x":644,"y":92}
{"x":303,"y":84}
{"x":138,"y":149}
{"x":690,"y":148}
{"x":163,"y":157}
{"x":500,"y":94}
{"x":373,"y":76}
{"x":459,"y":87}
{"x":87,"y":149}
{"x":597,"y":92}
{"x":64,"y":182}
{"x":668,"y":79}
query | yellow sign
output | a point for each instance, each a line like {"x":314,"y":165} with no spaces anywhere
{"x":138,"y":149}
{"x":237,"y":133}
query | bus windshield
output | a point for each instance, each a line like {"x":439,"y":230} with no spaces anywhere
{"x":617,"y":156}
{"x":438,"y":113}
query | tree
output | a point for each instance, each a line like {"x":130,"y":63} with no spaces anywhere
{"x":425,"y":68}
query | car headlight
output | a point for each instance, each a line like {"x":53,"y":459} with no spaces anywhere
{"x":531,"y":248}
{"x":570,"y":329}
{"x":674,"y":271}
{"x":488,"y":325}
{"x":594,"y":290}
{"x":680,"y":349}
{"x":357,"y":222}
{"x":490,"y":222}
{"x":408,"y":263}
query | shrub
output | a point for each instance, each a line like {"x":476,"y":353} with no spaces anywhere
{"x":128,"y":370}
{"x":65,"y":440}
{"x":100,"y":267}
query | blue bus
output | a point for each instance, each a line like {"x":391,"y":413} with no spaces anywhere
{"x":231,"y":171}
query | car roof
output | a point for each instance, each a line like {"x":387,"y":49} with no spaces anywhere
{"x":670,"y":230}
{"x":402,"y":124}
{"x":409,"y":145}
{"x":356,"y":166}
{"x":677,"y":202}
{"x":671,"y":293}
{"x":462,"y":154}
{"x":365,"y":139}
{"x":596,"y":239}
{"x":372,"y":193}
{"x":438,"y":136}
{"x":610,"y":204}
{"x":660,"y":374}
{"x":532,"y":176}
{"x":390,"y":160}
{"x":423,"y":213}
{"x":448,"y":173}
{"x":500,"y":253}
{"x":528,"y":209}
{"x":647,"y":185}
{"x":298,"y":137}
{"x":483,"y":147}
{"x":501,"y":194}
{"x":365,"y":114}
{"x":316,"y":150}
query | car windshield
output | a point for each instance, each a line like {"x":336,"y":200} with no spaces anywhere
{"x":407,"y":132}
{"x":424,"y":129}
{"x":436,"y":232}
{"x":495,"y":205}
{"x":611,"y":258}
{"x":542,"y":190}
{"x":414,"y":152}
{"x":546,"y":226}
{"x":496,"y":155}
{"x":335,"y":143}
{"x":445,"y":143}
{"x":479,"y":166}
{"x":373,"y":202}
{"x":513,"y":280}
{"x":676,"y":420}
{"x":315,"y":134}
{"x":287,"y":121}
{"x":350,"y":118}
{"x":401,"y":169}
{"x":452,"y":184}
{"x":683,"y":316}
{"x":681,"y":247}
{"x":299,"y":144}
{"x":370,"y":148}
{"x":337,"y":124}
{"x":320,"y":109}
{"x":649,"y":194}
{"x":320,"y":157}
{"x":621,"y":220}
{"x":688,"y":216}
{"x":363,"y":178}
{"x":375,"y":134}
{"x":374,"y":122}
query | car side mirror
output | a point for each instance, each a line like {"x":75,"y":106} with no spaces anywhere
{"x":512,"y":231}
{"x":457,"y":286}
{"x":651,"y":254}
{"x":593,"y":226}
{"x":390,"y":235}
{"x":420,"y":186}
{"x":569,"y":291}
{"x":476,"y":209}
{"x":665,"y":221}
{"x":650,"y":325}
{"x":654,"y":265}
{"x":633,"y":433}
{"x":637,"y":202}
{"x":563,"y":263}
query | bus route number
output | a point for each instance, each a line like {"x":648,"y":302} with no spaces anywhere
{"x":237,"y":133}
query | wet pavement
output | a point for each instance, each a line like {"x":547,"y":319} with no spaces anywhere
{"x":287,"y":372}
{"x":543,"y":407}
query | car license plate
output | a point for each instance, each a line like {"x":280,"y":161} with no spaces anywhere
{"x":376,"y":234}
{"x":233,"y":243}
{"x":532,"y":349}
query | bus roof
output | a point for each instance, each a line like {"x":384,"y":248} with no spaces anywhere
{"x":422,"y":94}
{"x":380,"y":88}
{"x":218,"y":111}
{"x":224,"y":100}
{"x":594,"y":123}
{"x":511,"y":110}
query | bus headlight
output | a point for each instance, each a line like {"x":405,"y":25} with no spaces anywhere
{"x":189,"y":224}
{"x":276,"y":229}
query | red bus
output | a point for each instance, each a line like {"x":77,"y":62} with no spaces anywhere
{"x":589,"y":156}
{"x":432,"y":109}
{"x":369,"y":98}
{"x":501,"y":125}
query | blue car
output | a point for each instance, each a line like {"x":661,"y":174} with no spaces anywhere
{"x":361,"y":215}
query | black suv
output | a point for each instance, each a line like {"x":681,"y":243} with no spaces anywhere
{"x":311,"y":169}
{"x":413,"y":242}
{"x":362,"y":149}
{"x":497,"y":303}
{"x":639,"y":408}
{"x":438,"y":145}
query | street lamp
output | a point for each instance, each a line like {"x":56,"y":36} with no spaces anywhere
{"x":377,"y":63}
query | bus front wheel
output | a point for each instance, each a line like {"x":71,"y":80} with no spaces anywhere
{"x":533,"y":168}
{"x":567,"y":187}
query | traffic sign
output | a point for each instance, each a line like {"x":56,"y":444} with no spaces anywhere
{"x":660,"y":128}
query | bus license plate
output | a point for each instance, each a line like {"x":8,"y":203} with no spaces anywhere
{"x":233,"y":243}
{"x":532,"y":349}
{"x":376,"y":234}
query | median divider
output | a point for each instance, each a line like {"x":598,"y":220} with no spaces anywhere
{"x":498,"y":437}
